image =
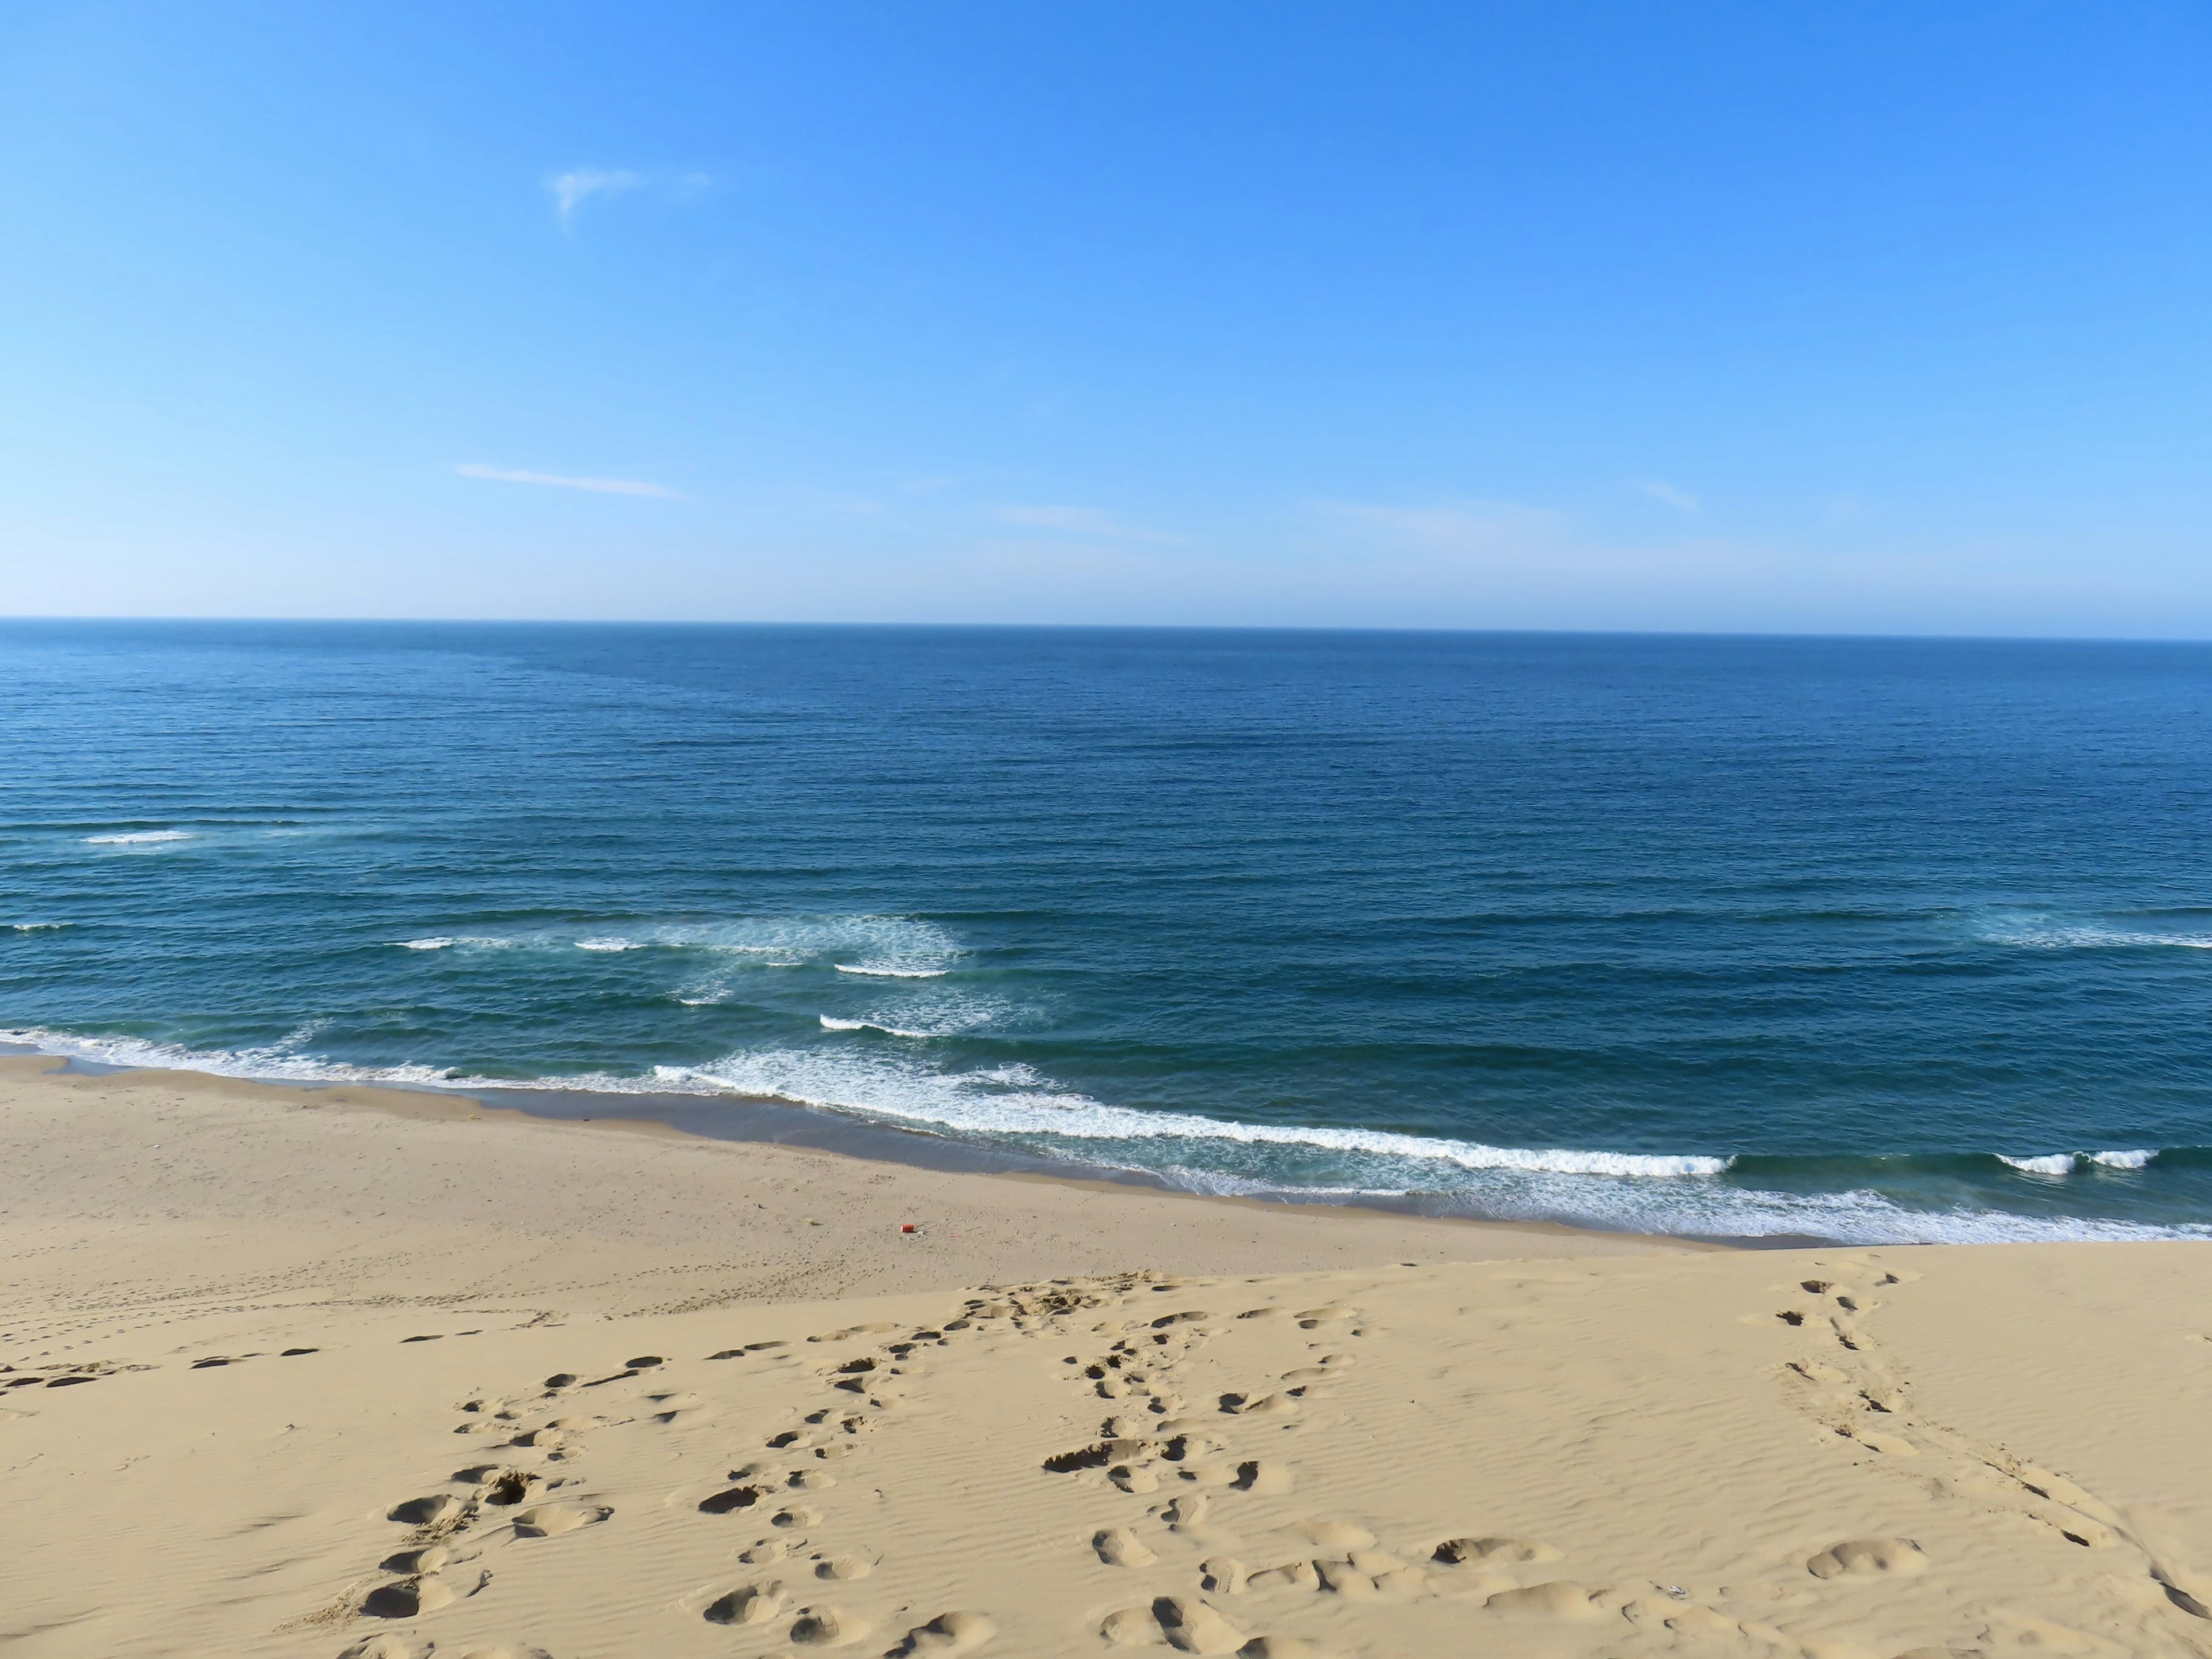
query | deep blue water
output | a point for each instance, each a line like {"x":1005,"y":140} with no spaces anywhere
{"x":1727,"y":935}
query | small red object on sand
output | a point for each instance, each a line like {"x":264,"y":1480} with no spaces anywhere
{"x":906,"y":1226}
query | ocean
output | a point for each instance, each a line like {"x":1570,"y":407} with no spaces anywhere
{"x":1841,"y":938}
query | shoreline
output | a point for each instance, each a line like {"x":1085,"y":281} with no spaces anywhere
{"x":353,"y":1373}
{"x":1744,"y":1200}
{"x":748,"y":1120}
{"x":194,"y":1154}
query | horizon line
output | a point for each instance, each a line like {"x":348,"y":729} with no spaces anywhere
{"x":1122,"y":628}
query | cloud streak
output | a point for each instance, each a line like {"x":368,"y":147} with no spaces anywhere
{"x":597,"y":486}
{"x":1659,"y":490}
{"x":572,"y":188}
{"x":1080,"y":521}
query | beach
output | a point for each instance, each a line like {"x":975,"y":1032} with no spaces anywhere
{"x":367,"y":1372}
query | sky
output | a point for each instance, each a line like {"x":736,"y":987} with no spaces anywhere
{"x":1868,"y":317}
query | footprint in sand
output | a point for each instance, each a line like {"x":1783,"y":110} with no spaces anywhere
{"x":1557,"y":1600}
{"x":435,"y":1510}
{"x":1492,"y":1551}
{"x":843,"y":1566}
{"x":381,"y":1647}
{"x":503,"y":1488}
{"x":1868,"y":1558}
{"x":756,"y":1604}
{"x":410,"y":1597}
{"x":947,"y":1633}
{"x":1264,"y":1477}
{"x":828,"y":1627}
{"x":1181,"y":1621}
{"x":1185,"y":1512}
{"x":551,"y":1519}
{"x":1224,"y":1576}
{"x":1120,"y":1548}
{"x":417,"y":1562}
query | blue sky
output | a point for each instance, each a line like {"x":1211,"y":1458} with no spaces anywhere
{"x":1867,"y":317}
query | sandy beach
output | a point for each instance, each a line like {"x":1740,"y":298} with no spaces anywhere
{"x":352,"y":1372}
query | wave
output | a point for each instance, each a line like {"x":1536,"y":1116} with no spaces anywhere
{"x":35,"y":927}
{"x":1632,"y":1192}
{"x":881,"y":946}
{"x":2041,"y":931}
{"x":139,"y":838}
{"x":277,"y":1062}
{"x":831,"y":1023}
{"x":2065,"y":1163}
{"x":1013,"y":1100}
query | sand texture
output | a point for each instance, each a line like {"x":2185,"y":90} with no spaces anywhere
{"x":393,"y":1416}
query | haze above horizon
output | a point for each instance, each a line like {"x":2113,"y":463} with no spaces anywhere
{"x":1714,"y":318}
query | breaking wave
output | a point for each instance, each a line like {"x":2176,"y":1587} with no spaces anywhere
{"x":2036,"y":929}
{"x":1012,"y":1105}
{"x":2065,"y":1164}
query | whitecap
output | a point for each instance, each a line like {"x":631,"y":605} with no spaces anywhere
{"x":38,"y":927}
{"x":2050,"y":1163}
{"x":2125,"y":1160}
{"x":609,"y":944}
{"x":879,"y":971}
{"x":2040,"y":931}
{"x":831,"y":1023}
{"x":139,"y":838}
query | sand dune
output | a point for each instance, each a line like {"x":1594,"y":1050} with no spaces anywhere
{"x":1827,"y":1452}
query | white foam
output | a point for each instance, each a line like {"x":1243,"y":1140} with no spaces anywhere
{"x":1014,"y":1100}
{"x":1630,"y":1192}
{"x":38,"y":927}
{"x":2040,"y":931}
{"x":896,"y":947}
{"x":2133,"y":1160}
{"x":830,"y":1024}
{"x":2062,"y":1163}
{"x":138,"y":838}
{"x":276,"y":1063}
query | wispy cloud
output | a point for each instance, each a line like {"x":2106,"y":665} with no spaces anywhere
{"x":1078,"y":521}
{"x":572,"y":188}
{"x":1659,"y":490}
{"x":597,"y":486}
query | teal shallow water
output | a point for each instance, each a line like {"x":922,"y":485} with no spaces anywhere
{"x":1724,"y":935}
